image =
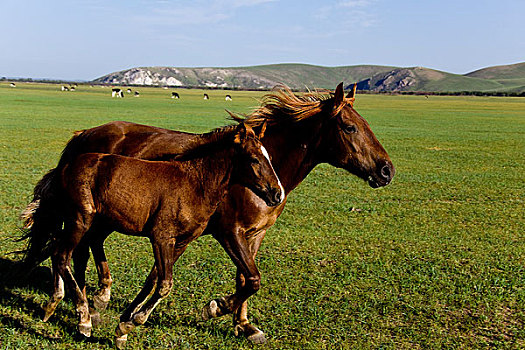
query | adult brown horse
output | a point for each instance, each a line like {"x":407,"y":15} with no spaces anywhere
{"x":303,"y":131}
{"x":170,"y":202}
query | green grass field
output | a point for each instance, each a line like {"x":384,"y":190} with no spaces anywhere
{"x":434,"y":260}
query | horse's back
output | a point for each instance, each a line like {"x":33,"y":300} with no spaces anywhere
{"x":128,"y":139}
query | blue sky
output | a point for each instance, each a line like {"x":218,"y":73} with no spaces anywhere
{"x":88,"y":38}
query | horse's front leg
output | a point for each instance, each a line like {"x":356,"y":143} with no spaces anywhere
{"x":241,"y":323}
{"x":242,"y":252}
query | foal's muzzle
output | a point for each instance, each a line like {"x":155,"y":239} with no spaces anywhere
{"x":274,"y":197}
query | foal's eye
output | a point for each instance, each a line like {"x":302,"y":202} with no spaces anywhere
{"x":350,"y":129}
{"x":255,"y":161}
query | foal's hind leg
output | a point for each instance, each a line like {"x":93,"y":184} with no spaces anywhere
{"x":103,"y":295}
{"x":70,"y":238}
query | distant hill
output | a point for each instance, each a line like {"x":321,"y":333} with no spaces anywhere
{"x":298,"y":76}
{"x":425,"y":79}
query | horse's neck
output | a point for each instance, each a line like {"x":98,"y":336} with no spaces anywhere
{"x":293,"y":156}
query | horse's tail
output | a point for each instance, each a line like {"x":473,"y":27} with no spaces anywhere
{"x":43,"y":187}
{"x":42,"y":217}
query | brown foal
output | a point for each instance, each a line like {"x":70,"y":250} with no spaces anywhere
{"x":170,"y":202}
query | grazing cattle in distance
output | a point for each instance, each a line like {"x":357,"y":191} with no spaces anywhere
{"x":137,"y":94}
{"x":117,"y":93}
{"x":175,"y":95}
{"x":128,"y":91}
{"x":12,"y":85}
{"x":64,"y":88}
{"x":206,"y":97}
{"x":71,"y":88}
{"x":228,"y":98}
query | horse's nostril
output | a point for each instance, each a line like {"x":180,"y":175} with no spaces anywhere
{"x":386,"y":172}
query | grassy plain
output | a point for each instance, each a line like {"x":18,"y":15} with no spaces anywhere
{"x":435,"y":260}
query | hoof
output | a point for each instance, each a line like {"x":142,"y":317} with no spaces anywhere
{"x":95,"y":317}
{"x":100,"y":303}
{"x":85,"y":330}
{"x":120,"y":342}
{"x":47,"y":315}
{"x":49,"y":310}
{"x":210,"y":311}
{"x":252,"y":333}
{"x":258,"y":338}
{"x":215,"y":308}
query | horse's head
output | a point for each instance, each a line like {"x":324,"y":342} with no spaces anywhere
{"x":350,"y":143}
{"x":253,"y":167}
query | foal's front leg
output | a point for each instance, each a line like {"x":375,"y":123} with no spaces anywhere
{"x":248,"y":283}
{"x":166,"y":254}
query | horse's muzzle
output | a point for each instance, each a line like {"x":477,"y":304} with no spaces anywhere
{"x":383,"y":177}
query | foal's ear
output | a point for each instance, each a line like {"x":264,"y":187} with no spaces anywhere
{"x":263,"y":130}
{"x":240,"y":134}
{"x":242,"y":131}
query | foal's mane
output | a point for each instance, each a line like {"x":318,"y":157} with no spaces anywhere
{"x":283,"y":106}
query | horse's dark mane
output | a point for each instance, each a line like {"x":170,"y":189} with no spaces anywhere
{"x":283,"y":106}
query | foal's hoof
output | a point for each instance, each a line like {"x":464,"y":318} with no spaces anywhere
{"x":47,"y":315}
{"x":96,"y":319}
{"x":100,"y":302}
{"x":84,"y":330}
{"x":120,"y":342}
{"x":210,"y":310}
{"x":252,"y":333}
{"x":215,"y":308}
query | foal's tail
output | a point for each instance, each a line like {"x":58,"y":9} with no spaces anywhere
{"x":42,"y":217}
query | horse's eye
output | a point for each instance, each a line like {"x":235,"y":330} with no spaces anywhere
{"x":350,"y":129}
{"x":255,"y":160}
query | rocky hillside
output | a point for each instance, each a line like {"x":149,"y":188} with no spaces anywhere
{"x":296,"y":76}
{"x":424,"y":79}
{"x":299,"y":76}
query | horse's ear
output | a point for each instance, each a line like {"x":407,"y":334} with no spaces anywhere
{"x":263,"y":130}
{"x":338,"y":95}
{"x":351,"y":94}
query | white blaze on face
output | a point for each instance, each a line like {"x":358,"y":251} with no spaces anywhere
{"x":265,"y":152}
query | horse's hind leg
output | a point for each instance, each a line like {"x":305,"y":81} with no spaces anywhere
{"x":58,"y":291}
